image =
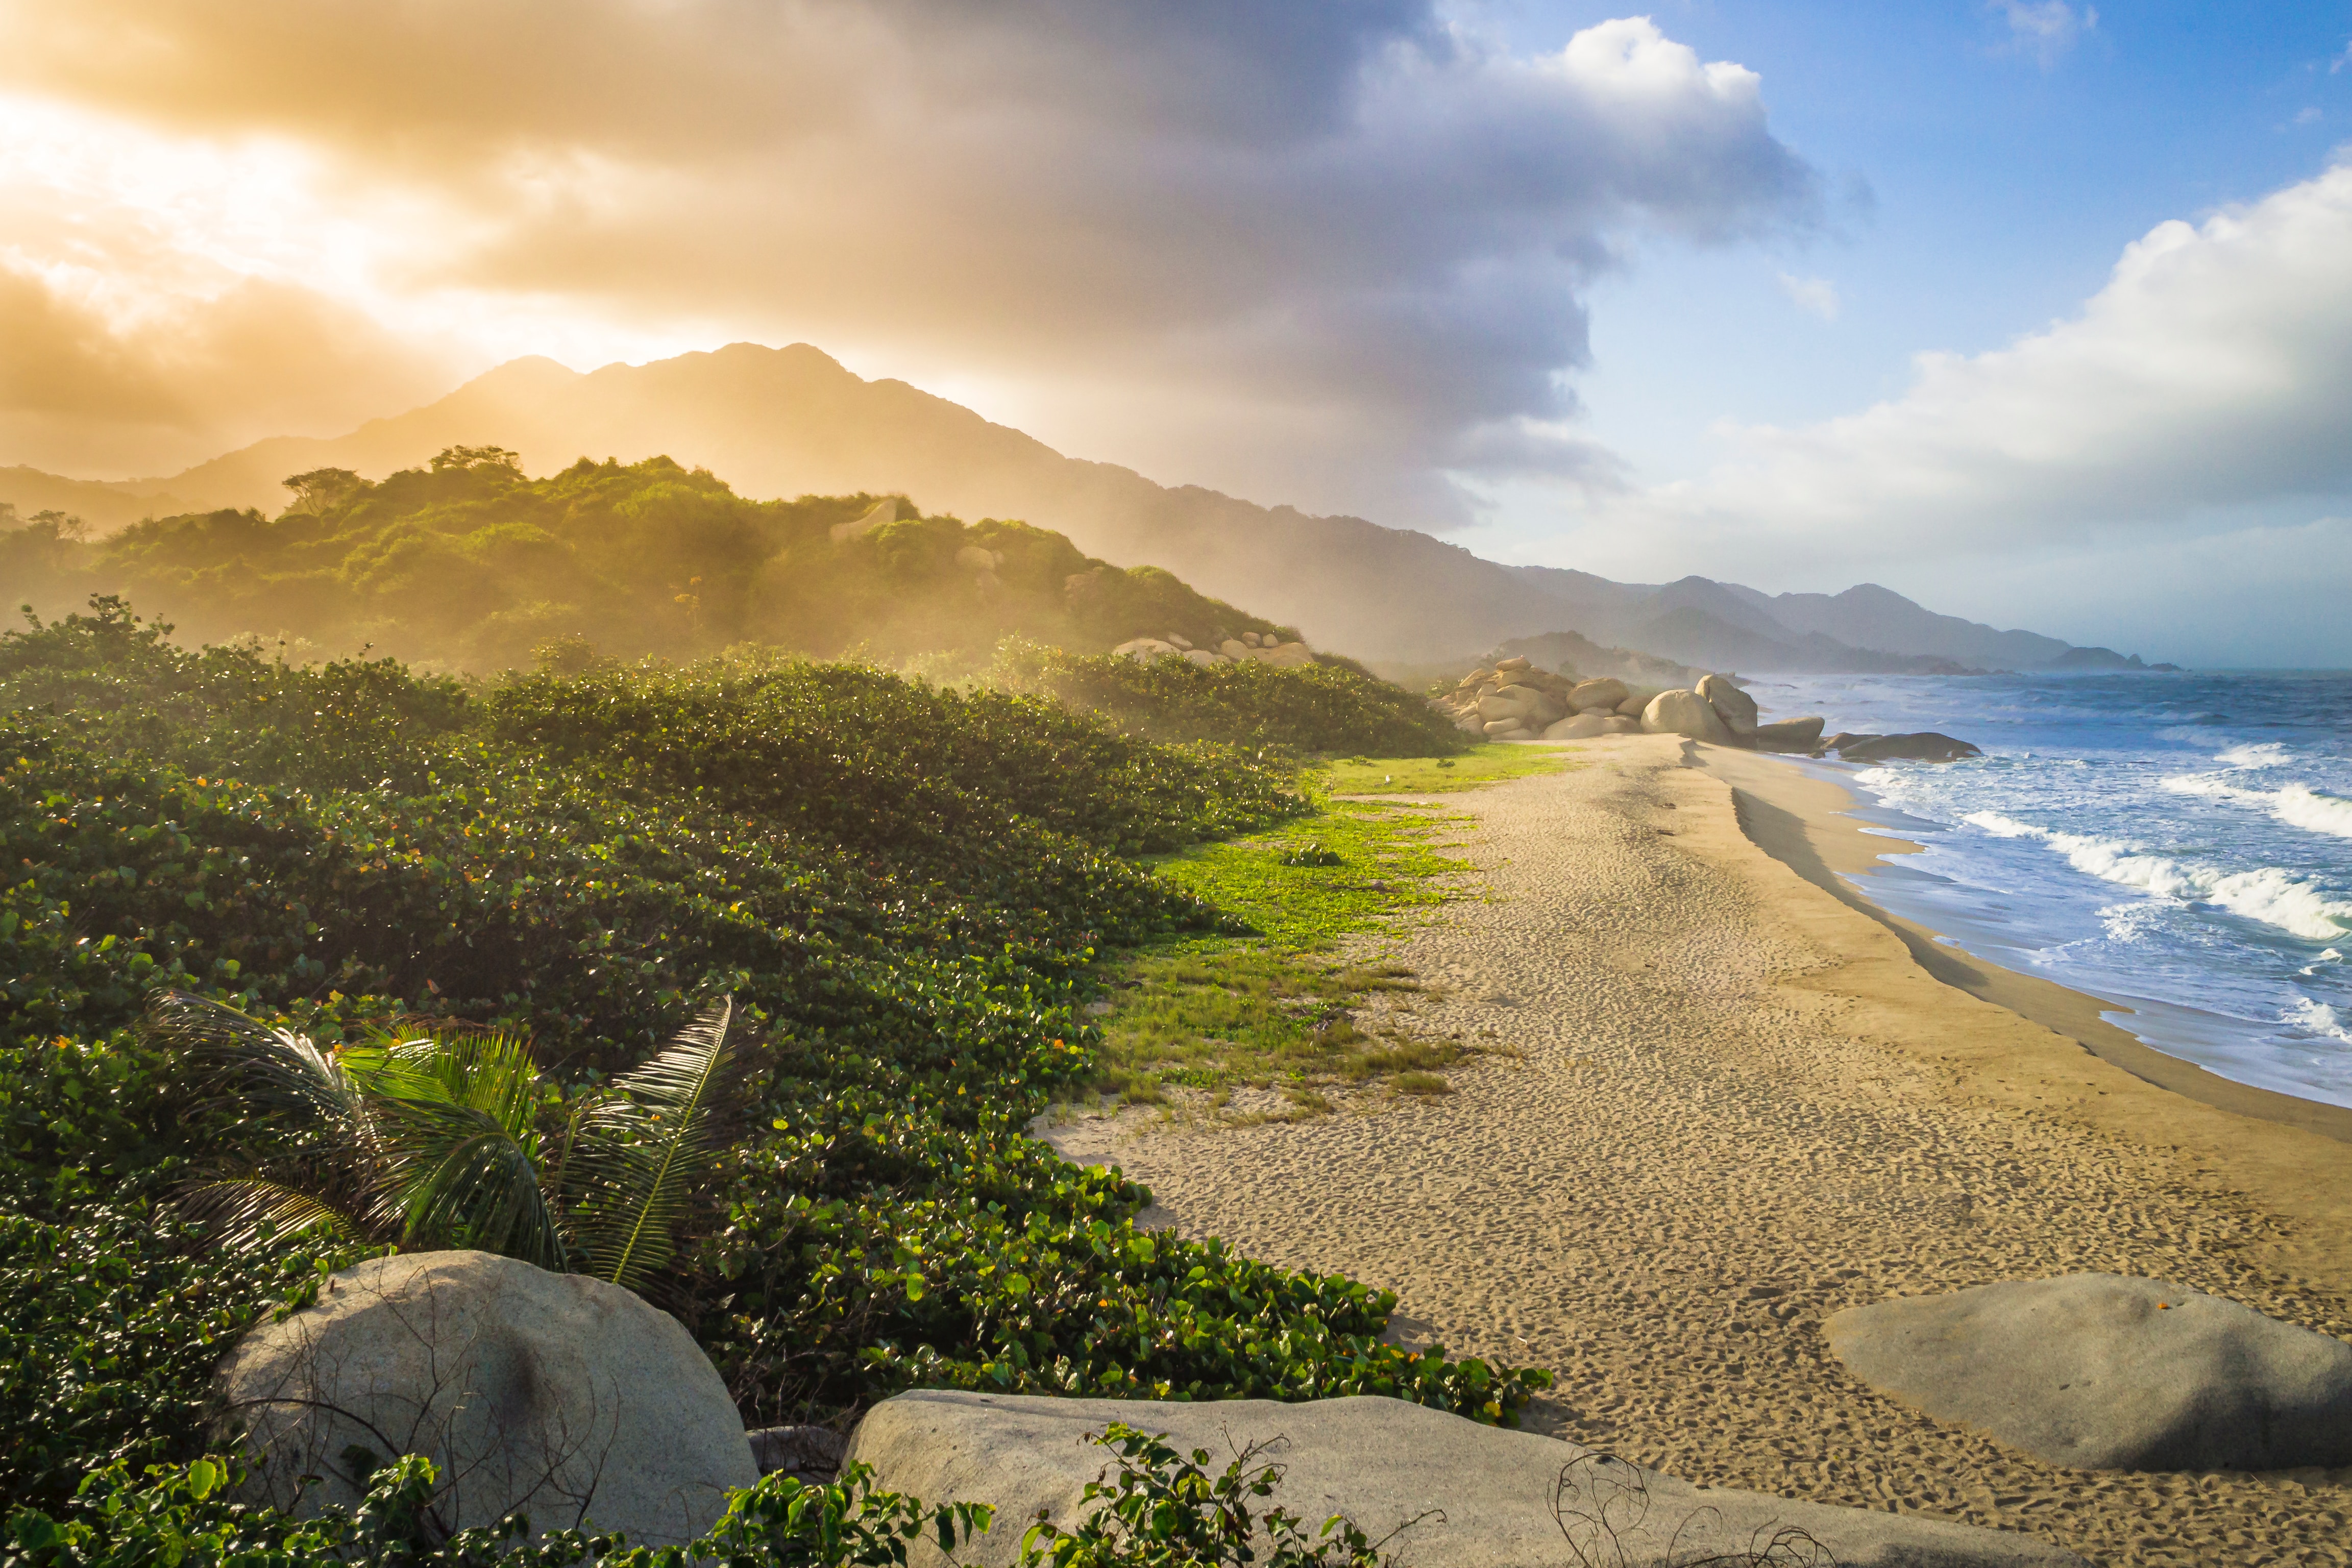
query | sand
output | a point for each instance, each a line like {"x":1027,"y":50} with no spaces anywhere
{"x":1743,"y":1103}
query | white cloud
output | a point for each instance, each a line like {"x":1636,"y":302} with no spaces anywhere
{"x":2340,"y":62}
{"x":2044,"y":28}
{"x":2204,"y":393}
{"x":2309,"y":115}
{"x":1816,"y":296}
{"x":1316,"y":254}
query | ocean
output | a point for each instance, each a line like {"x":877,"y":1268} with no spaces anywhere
{"x":2179,"y":845}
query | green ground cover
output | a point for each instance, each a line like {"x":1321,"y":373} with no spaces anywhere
{"x":1270,"y":999}
{"x":910,"y":894}
{"x":1489,"y":763}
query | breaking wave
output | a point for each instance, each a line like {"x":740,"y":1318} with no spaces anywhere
{"x":2297,"y":805}
{"x":2258,"y":754}
{"x":2317,"y":1018}
{"x":2271,"y":895}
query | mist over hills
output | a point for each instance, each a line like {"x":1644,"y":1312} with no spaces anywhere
{"x":783,"y":423}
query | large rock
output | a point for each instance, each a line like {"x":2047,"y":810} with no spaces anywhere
{"x":1789,"y":735}
{"x":1530,"y":705}
{"x":1582,"y":727}
{"x":1384,"y":1463}
{"x":1927,"y":746}
{"x":1286,"y":656}
{"x":1606,"y":695}
{"x":556,"y":1394}
{"x":2098,"y":1372}
{"x":1735,"y":707}
{"x":1687,"y":714}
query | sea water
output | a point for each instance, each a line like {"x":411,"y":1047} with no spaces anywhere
{"x":2179,"y":845}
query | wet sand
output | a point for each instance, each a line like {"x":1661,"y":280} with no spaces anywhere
{"x":1743,"y":1100}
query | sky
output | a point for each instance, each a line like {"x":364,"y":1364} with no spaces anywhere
{"x":2039,"y":312}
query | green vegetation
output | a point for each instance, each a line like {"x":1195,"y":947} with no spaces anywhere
{"x":907,"y":893}
{"x":1487,"y":763}
{"x":1267,"y":1003}
{"x":435,"y":1140}
{"x":1329,"y":707}
{"x":471,"y":566}
{"x":1164,"y":1511}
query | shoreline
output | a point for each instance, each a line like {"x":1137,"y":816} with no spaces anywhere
{"x":1803,"y":820}
{"x":1721,"y":1103}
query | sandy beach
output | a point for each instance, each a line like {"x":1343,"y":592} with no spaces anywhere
{"x":1744,"y":1099}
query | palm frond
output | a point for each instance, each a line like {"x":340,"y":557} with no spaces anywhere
{"x":277,"y":1075}
{"x":247,"y":1212}
{"x":485,"y":1071}
{"x":452,"y":1173}
{"x":639,"y":1150}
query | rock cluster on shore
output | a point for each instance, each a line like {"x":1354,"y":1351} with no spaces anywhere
{"x":1263,"y":650}
{"x":1515,"y":701}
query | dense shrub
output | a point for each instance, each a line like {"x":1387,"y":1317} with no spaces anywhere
{"x":1331,"y":707}
{"x":905,"y":891}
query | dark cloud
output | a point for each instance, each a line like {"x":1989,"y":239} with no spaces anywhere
{"x":1359,"y":233}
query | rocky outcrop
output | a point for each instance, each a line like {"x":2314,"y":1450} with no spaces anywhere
{"x":1455,"y":1492}
{"x":1605,"y":695}
{"x":1735,"y":707}
{"x":1789,"y":735}
{"x":2098,"y":1372}
{"x":1248,"y":646}
{"x":1513,"y":700}
{"x":1926,"y":746}
{"x":1591,"y":726}
{"x":1510,"y":700}
{"x":1687,"y":714}
{"x":555,"y":1395}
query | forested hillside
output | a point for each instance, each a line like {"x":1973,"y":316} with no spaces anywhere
{"x":470,"y":565}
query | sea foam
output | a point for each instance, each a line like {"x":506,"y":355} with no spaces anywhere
{"x":2257,"y":755}
{"x":2317,"y":1018}
{"x":2268,"y":894}
{"x":2297,"y":805}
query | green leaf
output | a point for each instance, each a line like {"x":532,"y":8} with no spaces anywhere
{"x":642,"y":1147}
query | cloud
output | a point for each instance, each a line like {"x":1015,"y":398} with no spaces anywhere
{"x":2044,"y":28}
{"x":1816,"y":296}
{"x":2214,"y":370}
{"x":2204,"y":394}
{"x":2308,"y":115}
{"x":189,"y":376}
{"x":1313,"y":253}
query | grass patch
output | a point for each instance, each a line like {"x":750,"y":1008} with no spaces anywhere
{"x":1271,"y":1005}
{"x":1489,"y":764}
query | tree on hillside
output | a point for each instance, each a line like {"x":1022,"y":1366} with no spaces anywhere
{"x":479,"y":459}
{"x":321,"y":490}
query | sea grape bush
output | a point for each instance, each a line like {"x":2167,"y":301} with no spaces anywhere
{"x":1330,"y":707}
{"x":905,"y":891}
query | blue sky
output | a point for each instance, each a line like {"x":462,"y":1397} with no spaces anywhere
{"x":2003,"y":181}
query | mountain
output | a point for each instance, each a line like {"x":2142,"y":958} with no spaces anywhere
{"x":780,"y":422}
{"x":104,"y":504}
{"x":1725,"y":626}
{"x":790,"y":422}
